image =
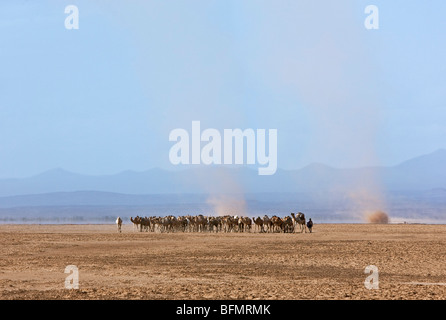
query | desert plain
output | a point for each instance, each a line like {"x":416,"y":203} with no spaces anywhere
{"x":328,"y":263}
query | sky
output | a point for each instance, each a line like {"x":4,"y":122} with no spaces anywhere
{"x":103,"y":98}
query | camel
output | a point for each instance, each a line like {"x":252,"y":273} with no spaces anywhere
{"x":267,"y":223}
{"x":214,"y":222}
{"x":299,"y":219}
{"x":240,"y":224}
{"x":276,"y":223}
{"x":157,"y":222}
{"x":119,"y":224}
{"x":172,"y":224}
{"x":248,"y":223}
{"x":188,"y":223}
{"x":136,"y":222}
{"x":258,"y":222}
{"x":244,"y":224}
{"x":287,"y":225}
{"x":182,"y":223}
{"x":229,"y":223}
{"x":144,"y":223}
{"x":201,"y":222}
{"x":166,"y":224}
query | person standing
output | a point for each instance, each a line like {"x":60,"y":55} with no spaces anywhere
{"x":310,"y":225}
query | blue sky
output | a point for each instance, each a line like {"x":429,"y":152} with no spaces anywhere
{"x":103,"y":98}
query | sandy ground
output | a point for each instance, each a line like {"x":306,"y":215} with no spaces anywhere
{"x":326,"y":264}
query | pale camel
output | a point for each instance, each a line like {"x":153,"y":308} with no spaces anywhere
{"x":119,"y":224}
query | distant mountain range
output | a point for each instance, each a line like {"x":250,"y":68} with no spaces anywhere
{"x":421,"y":173}
{"x":414,"y":189}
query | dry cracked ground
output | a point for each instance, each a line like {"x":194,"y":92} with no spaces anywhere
{"x":326,"y":264}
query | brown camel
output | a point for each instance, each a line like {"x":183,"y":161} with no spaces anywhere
{"x":267,"y":223}
{"x":259,"y":223}
{"x":136,"y":222}
{"x":287,"y":225}
{"x":277,"y":223}
{"x":299,"y":219}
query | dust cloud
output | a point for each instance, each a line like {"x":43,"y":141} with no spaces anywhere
{"x":378,"y":217}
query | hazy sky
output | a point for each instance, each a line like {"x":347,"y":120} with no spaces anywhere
{"x":104,"y":98}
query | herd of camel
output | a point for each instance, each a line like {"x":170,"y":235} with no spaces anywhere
{"x":200,"y":223}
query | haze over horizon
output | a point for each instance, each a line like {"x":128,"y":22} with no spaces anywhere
{"x":187,"y":167}
{"x":413,"y":190}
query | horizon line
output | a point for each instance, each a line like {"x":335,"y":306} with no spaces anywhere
{"x":182,"y":168}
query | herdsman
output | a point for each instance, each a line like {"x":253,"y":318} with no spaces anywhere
{"x":310,"y":225}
